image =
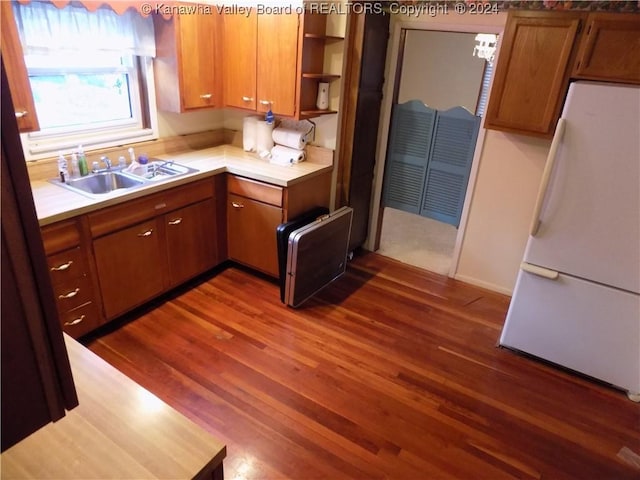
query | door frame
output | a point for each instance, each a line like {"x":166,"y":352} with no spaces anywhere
{"x":395,"y":58}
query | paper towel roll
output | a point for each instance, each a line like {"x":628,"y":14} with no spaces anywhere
{"x":264,"y":142}
{"x":249,"y":133}
{"x":290,"y":138}
{"x":286,"y":156}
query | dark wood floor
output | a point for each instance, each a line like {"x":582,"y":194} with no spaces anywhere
{"x":391,"y":372}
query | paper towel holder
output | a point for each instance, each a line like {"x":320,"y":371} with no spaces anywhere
{"x":322,"y":102}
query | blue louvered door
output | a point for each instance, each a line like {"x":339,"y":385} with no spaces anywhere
{"x":409,"y":146}
{"x":449,"y":165}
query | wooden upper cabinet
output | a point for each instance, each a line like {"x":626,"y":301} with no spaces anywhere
{"x":261,"y":62}
{"x":277,"y":63}
{"x":532,"y":73}
{"x":240,"y":42}
{"x":16,"y":70}
{"x":187,"y":64}
{"x":610,"y":48}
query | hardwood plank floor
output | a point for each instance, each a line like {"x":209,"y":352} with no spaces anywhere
{"x":390,"y":372}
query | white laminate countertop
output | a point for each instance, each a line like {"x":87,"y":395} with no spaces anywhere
{"x":54,"y":203}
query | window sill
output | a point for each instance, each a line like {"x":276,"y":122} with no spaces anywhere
{"x":37,"y":150}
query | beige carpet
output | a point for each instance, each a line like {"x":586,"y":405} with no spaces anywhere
{"x":416,"y":240}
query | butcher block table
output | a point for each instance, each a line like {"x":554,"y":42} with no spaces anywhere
{"x":119,"y":431}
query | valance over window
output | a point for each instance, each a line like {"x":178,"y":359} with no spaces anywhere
{"x":44,"y":28}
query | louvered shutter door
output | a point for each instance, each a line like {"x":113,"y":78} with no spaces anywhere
{"x":411,"y":134}
{"x":449,"y":165}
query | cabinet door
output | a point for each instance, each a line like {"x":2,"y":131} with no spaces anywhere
{"x":240,"y":60}
{"x":191,"y":240}
{"x":532,"y":73}
{"x":610,"y":49}
{"x":277,"y":62}
{"x":131,"y":267}
{"x":16,"y":70}
{"x":198,"y":67}
{"x":251,"y":233}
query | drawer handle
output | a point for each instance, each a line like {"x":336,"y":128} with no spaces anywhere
{"x":247,"y":99}
{"x":177,"y":221}
{"x":71,"y":294}
{"x":74,"y":322}
{"x":237,"y":205}
{"x":21,"y":113}
{"x":61,"y":268}
{"x":266,"y":102}
{"x":206,"y":96}
{"x":147,"y":233}
{"x":160,"y":206}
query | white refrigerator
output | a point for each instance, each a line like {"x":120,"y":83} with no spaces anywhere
{"x":576,"y":302}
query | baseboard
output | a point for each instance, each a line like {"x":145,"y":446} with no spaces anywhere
{"x":483,"y":284}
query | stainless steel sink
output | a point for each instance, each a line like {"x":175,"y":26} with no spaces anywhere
{"x":157,"y":170}
{"x":101,"y":183}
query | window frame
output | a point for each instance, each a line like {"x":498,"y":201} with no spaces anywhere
{"x":47,"y":143}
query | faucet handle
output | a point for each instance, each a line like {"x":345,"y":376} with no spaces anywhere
{"x":106,"y":161}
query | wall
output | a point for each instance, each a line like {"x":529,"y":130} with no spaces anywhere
{"x":438,"y":68}
{"x":508,"y":171}
{"x":172,"y":124}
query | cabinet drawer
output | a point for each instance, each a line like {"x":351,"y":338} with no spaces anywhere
{"x":129,"y":213}
{"x":60,"y":236}
{"x":66,"y":266}
{"x":80,"y":320}
{"x":72,"y":293}
{"x":262,"y":192}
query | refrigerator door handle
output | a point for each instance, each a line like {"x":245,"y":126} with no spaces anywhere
{"x":539,"y":271}
{"x":546,"y":175}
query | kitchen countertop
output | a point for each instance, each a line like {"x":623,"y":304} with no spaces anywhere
{"x":118,"y":430}
{"x":54,"y":203}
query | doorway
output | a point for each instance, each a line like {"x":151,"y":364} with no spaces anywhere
{"x":438,"y":77}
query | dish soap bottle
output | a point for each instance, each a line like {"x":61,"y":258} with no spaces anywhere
{"x":82,"y":162}
{"x":269,"y":116}
{"x":75,"y":172}
{"x":63,"y":168}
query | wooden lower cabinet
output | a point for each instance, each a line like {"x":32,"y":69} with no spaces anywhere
{"x":251,"y":233}
{"x":255,"y":209}
{"x":191,"y":241}
{"x":71,"y":277}
{"x":145,"y":247}
{"x":130,"y":266}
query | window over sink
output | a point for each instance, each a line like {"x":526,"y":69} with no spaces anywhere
{"x":91,"y":76}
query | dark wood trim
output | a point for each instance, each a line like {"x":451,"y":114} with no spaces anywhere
{"x":25,"y":252}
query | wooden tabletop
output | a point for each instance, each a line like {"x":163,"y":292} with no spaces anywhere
{"x":118,"y":431}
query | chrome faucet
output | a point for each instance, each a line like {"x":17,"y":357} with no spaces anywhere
{"x":107,"y":164}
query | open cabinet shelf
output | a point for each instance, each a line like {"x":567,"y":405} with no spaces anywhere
{"x":316,"y":113}
{"x":314,"y":39}
{"x":321,"y":76}
{"x":327,"y":38}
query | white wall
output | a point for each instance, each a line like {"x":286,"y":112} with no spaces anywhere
{"x":508,"y":171}
{"x":438,"y":68}
{"x":172,"y":124}
{"x":501,"y":207}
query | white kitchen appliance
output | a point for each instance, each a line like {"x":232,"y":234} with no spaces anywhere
{"x":576,"y":301}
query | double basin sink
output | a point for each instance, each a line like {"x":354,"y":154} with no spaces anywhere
{"x":103,"y":182}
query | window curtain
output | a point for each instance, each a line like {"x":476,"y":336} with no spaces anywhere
{"x":45,"y":28}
